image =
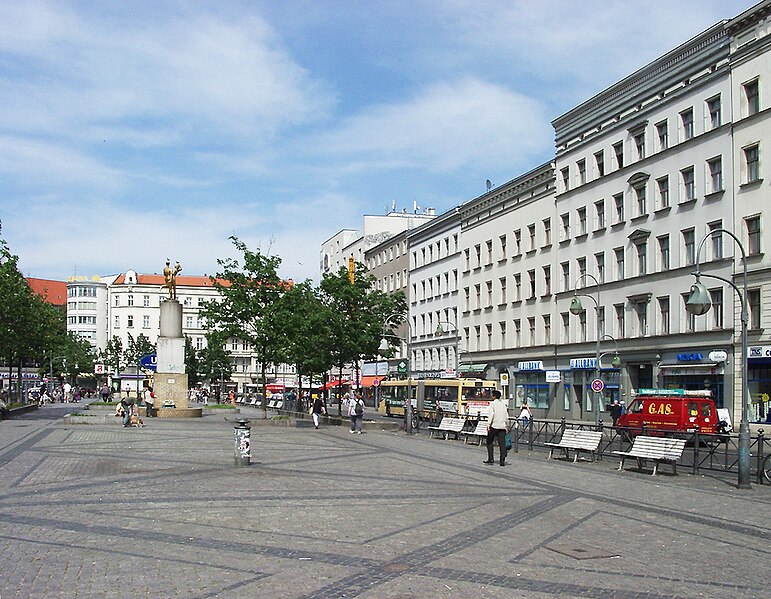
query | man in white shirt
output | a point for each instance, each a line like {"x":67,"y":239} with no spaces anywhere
{"x":497,"y":427}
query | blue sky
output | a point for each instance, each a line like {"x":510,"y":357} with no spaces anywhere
{"x":135,"y":131}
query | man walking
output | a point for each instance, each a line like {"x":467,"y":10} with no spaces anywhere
{"x":497,"y":427}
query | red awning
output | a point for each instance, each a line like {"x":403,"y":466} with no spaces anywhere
{"x":274,"y":388}
{"x":368,"y":381}
{"x":336,"y":383}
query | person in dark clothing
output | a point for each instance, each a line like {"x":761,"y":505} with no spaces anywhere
{"x":317,"y":410}
{"x":615,"y":412}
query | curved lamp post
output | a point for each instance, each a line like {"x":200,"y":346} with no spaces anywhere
{"x":385,"y":346}
{"x":699,"y":303}
{"x":440,"y":331}
{"x":576,"y":308}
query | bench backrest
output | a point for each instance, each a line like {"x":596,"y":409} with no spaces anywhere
{"x":481,"y":428}
{"x":590,"y":439}
{"x":664,"y":446}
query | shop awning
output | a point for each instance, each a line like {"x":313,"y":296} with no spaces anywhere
{"x":336,"y":383}
{"x":368,"y":381}
{"x":469,"y":368}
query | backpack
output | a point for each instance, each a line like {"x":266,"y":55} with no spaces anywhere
{"x":359,"y":408}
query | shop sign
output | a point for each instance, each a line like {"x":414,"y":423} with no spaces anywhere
{"x":759,"y":351}
{"x":583,"y":363}
{"x":691,"y":357}
{"x":718,"y":356}
{"x":532,"y":365}
{"x":553,"y":376}
{"x":504,"y":379}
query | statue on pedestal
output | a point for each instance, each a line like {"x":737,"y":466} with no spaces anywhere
{"x":170,"y":276}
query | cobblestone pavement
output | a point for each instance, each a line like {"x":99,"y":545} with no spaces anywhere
{"x":99,"y":511}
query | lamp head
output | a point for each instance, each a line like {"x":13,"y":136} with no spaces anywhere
{"x":616,"y":361}
{"x":383,"y":347}
{"x":439,"y":330}
{"x":575,"y":306}
{"x":698,"y":301}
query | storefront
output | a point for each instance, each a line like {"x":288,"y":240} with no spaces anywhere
{"x":695,"y":370}
{"x":530,"y":385}
{"x":759,"y":382}
{"x":578,"y":387}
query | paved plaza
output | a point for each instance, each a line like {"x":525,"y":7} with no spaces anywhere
{"x":99,"y":511}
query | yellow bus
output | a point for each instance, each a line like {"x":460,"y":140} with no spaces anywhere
{"x":464,"y":397}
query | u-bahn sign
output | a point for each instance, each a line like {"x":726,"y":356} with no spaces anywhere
{"x":149,"y":361}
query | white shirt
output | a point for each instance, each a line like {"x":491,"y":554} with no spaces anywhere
{"x":499,"y":415}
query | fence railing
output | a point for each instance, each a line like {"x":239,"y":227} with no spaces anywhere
{"x":703,"y":452}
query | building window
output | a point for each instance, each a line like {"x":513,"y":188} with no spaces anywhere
{"x":642,"y":258}
{"x":581,"y":213}
{"x":466,"y":299}
{"x":531,"y":283}
{"x":517,"y":242}
{"x":582,"y":329}
{"x":715,"y":168}
{"x":752,"y":164}
{"x":686,"y":122}
{"x":581,"y":165}
{"x":599,"y":214}
{"x":478,"y":254}
{"x":145,"y":322}
{"x":753,"y":235}
{"x":752,"y":97}
{"x":689,"y":247}
{"x":581,"y":265}
{"x":547,"y":231}
{"x":502,"y":285}
{"x":639,"y":144}
{"x":531,"y":234}
{"x":117,"y":301}
{"x":146,"y":301}
{"x":601,"y":322}
{"x":663,"y":252}
{"x":565,"y":174}
{"x":599,"y":164}
{"x":565,"y":276}
{"x":753,"y":305}
{"x":502,"y":333}
{"x":618,"y":205}
{"x":688,"y":189}
{"x":565,"y":327}
{"x":662,"y":188}
{"x":546,"y":329}
{"x":489,"y":293}
{"x":600,"y":261}
{"x":129,"y":321}
{"x":641,"y":200}
{"x":531,"y":328}
{"x":717,"y":239}
{"x":188,"y":322}
{"x":116,"y":322}
{"x":490,"y":251}
{"x":619,"y":253}
{"x":547,"y":280}
{"x":663,"y":315}
{"x":620,"y":320}
{"x":716,"y":296}
{"x":662,"y":133}
{"x":641,"y":311}
{"x":517,"y":287}
{"x":502,"y":247}
{"x":565,"y":230}
{"x":713,"y":112}
{"x":618,"y":152}
{"x":517,"y":332}
{"x":478,"y":296}
{"x":690,"y":319}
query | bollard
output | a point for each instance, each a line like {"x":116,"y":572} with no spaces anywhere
{"x":243,"y":443}
{"x":696,"y":444}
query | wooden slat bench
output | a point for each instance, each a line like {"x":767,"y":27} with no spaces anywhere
{"x":448,"y":426}
{"x":658,"y":449}
{"x":576,"y":439}
{"x":480,"y":432}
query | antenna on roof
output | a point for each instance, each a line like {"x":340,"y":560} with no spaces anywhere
{"x":489,"y":184}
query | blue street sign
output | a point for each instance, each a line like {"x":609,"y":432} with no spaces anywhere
{"x":149,"y":361}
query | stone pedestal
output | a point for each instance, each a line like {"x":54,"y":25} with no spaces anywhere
{"x":170,"y":377}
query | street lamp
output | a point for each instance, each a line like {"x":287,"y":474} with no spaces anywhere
{"x":576,"y":308}
{"x":440,"y":331}
{"x":385,"y":346}
{"x":699,"y":303}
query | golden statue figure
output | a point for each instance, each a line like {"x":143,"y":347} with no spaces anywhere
{"x":170,"y":276}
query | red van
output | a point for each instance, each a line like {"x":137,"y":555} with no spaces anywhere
{"x":672,"y":410}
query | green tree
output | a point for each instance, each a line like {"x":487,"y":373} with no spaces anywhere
{"x":250,"y":294}
{"x":214,"y":363}
{"x":358,"y":311}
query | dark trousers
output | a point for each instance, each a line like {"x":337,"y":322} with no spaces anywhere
{"x":500,"y":435}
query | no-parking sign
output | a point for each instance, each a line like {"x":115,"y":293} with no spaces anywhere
{"x":597,"y":385}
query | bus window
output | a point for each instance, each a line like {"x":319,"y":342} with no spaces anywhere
{"x":706,"y":410}
{"x":636,"y":407}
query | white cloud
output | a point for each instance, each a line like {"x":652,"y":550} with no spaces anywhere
{"x":445,"y":126}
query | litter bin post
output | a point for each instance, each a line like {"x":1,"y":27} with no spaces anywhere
{"x":243,"y":444}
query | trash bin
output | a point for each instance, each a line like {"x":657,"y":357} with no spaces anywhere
{"x":243,"y":443}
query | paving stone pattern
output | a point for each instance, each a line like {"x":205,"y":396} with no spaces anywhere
{"x":99,"y":511}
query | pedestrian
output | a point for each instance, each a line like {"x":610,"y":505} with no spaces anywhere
{"x":317,"y":410}
{"x":525,"y":415}
{"x":67,"y":389}
{"x":356,"y":412}
{"x":125,"y":409}
{"x":105,"y":393}
{"x":149,"y":402}
{"x":615,"y":412}
{"x":497,"y":427}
